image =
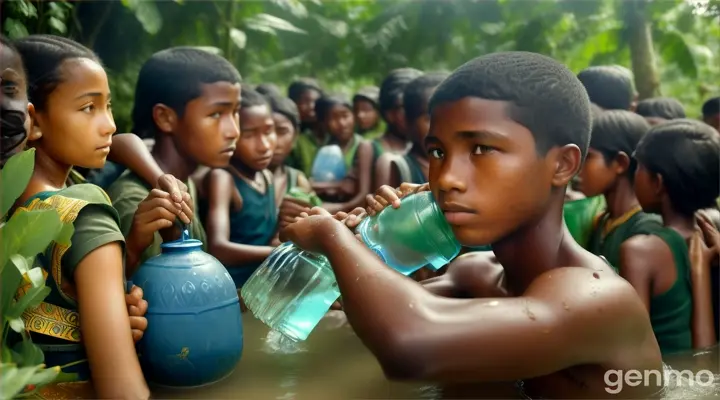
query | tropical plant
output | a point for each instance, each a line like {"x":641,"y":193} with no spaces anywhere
{"x":22,"y":238}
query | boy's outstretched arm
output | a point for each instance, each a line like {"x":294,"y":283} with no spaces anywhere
{"x":220,"y":192}
{"x":415,"y":334}
{"x":129,"y":150}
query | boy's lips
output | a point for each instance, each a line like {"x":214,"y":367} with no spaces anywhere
{"x":229,"y":150}
{"x":458,"y":214}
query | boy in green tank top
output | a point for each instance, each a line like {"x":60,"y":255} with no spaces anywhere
{"x":188,"y":99}
{"x":609,"y":171}
{"x":334,"y":115}
{"x":678,"y":174}
{"x":242,"y":214}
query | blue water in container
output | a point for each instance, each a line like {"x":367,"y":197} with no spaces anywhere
{"x":329,"y":164}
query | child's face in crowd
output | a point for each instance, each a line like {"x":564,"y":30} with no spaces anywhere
{"x":258,"y":140}
{"x":485,"y":171}
{"x":285,"y":132}
{"x":210,"y":126}
{"x":15,"y":121}
{"x":396,"y":118}
{"x":418,"y":129}
{"x":597,"y":175}
{"x":306,"y":105}
{"x":76,"y":124}
{"x":340,"y":123}
{"x":647,"y":188}
{"x":366,"y":114}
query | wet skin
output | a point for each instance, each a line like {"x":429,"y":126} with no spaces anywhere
{"x":553,"y":314}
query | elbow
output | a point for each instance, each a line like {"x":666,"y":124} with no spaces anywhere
{"x":403,"y":359}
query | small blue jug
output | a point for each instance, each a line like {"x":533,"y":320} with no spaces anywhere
{"x":329,"y":164}
{"x":194,"y":335}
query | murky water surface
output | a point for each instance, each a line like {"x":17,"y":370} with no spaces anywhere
{"x":333,"y":365}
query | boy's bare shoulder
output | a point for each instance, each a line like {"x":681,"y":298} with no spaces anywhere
{"x":478,"y":274}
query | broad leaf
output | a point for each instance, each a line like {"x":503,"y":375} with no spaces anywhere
{"x":10,"y":281}
{"x":675,"y":49}
{"x":44,"y":376}
{"x":30,"y":232}
{"x":270,"y":24}
{"x":13,"y":379}
{"x":14,"y":178}
{"x":29,"y":352}
{"x":17,"y":325}
{"x":65,"y":234}
{"x":58,"y":25}
{"x":31,"y":299}
{"x":146,"y":13}
{"x":238,"y":37}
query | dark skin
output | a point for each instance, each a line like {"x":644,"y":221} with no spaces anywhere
{"x":651,"y":265}
{"x":75,"y":128}
{"x":550,"y":284}
{"x":13,"y":85}
{"x":251,"y":159}
{"x":395,"y":140}
{"x":286,"y":136}
{"x":366,"y":115}
{"x":306,"y":107}
{"x":349,"y":192}
{"x":703,"y":251}
{"x":386,"y":171}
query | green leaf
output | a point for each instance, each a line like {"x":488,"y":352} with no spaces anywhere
{"x":270,"y":24}
{"x":675,"y":50}
{"x":27,"y":9}
{"x":66,"y":377}
{"x":30,"y":232}
{"x":13,"y":380}
{"x":146,"y":13}
{"x":57,"y":24}
{"x":15,"y":176}
{"x":17,"y":325}
{"x":65,"y":234}
{"x":10,"y":280}
{"x":32,"y":298}
{"x":21,"y":263}
{"x":238,"y":37}
{"x":44,"y":376}
{"x":30,"y":353}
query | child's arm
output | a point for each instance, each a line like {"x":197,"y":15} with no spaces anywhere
{"x":643,"y":259}
{"x":385,"y":174}
{"x":220,"y":192}
{"x":303,"y":183}
{"x":701,"y":259}
{"x":115,"y":369}
{"x":415,"y":334}
{"x":365,"y":161}
{"x":129,"y":150}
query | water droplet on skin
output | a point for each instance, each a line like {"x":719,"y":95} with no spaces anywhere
{"x":492,"y":303}
{"x":411,"y":305}
{"x":565,"y":306}
{"x":549,"y":276}
{"x":596,"y":275}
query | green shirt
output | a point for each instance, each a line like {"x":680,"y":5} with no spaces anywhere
{"x":305,"y":150}
{"x":608,"y":246}
{"x":127,"y":193}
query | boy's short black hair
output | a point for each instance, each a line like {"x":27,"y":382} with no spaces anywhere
{"x":711,"y":107}
{"x":174,"y":77}
{"x":251,"y":98}
{"x":609,"y":86}
{"x":268,"y":89}
{"x":417,"y":93}
{"x":286,"y":107}
{"x":392,"y":87}
{"x":616,"y":131}
{"x":326,"y":102}
{"x":302,"y":85}
{"x":544,"y":95}
{"x":686,"y":153}
{"x":661,"y":107}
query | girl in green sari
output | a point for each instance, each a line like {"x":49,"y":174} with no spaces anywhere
{"x":72,"y":125}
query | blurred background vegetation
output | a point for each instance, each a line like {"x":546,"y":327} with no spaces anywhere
{"x":672,"y":46}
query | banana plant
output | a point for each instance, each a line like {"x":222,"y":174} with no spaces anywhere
{"x":22,"y":237}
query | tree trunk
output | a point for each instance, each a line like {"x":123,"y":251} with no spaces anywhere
{"x":639,"y":36}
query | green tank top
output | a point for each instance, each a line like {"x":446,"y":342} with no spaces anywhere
{"x":305,"y":150}
{"x":255,"y":224}
{"x":640,"y":223}
{"x":671,"y":312}
{"x":291,"y":176}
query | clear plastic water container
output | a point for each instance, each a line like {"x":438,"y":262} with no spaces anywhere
{"x":291,"y":291}
{"x":412,"y":236}
{"x":329,"y":164}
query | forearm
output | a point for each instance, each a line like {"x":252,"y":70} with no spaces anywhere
{"x":703,"y":329}
{"x":230,"y":253}
{"x":129,"y":150}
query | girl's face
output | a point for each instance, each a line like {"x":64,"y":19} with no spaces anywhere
{"x":366,"y":114}
{"x":285,"y":132}
{"x":13,"y":94}
{"x":340,"y":123}
{"x":76,"y":125}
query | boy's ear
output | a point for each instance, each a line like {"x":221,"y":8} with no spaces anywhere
{"x":31,"y":124}
{"x":165,"y":118}
{"x":568,"y":161}
{"x":622,"y":163}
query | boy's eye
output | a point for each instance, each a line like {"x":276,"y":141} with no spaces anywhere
{"x":436,"y":153}
{"x":215,"y":115}
{"x":480,"y":149}
{"x":88,"y":108}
